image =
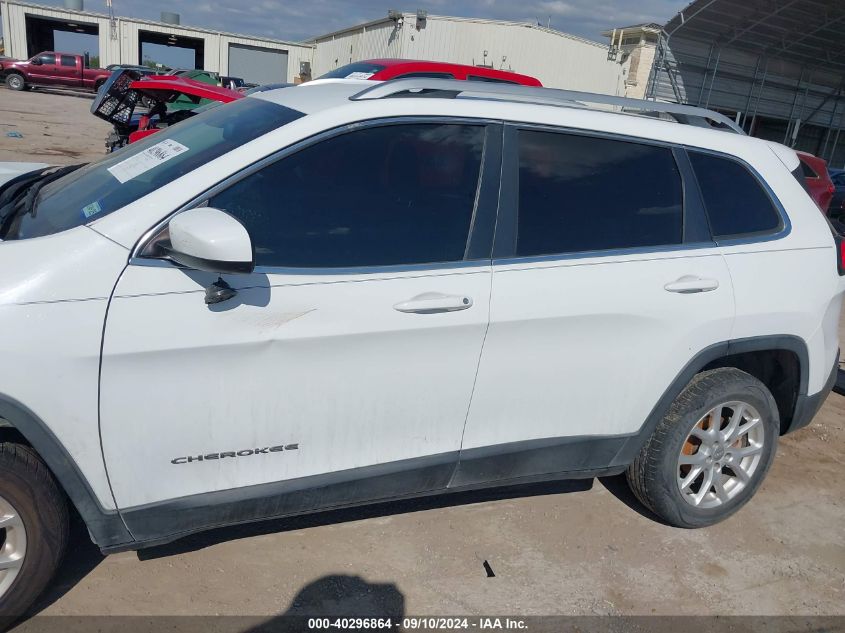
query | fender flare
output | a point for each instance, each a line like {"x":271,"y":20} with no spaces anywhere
{"x":105,"y":526}
{"x":786,"y":342}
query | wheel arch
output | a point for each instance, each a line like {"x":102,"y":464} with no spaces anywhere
{"x":19,"y":422}
{"x":790,"y":352}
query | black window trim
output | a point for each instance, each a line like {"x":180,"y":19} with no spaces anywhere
{"x":504,"y":250}
{"x":784,"y":226}
{"x":696,"y":224}
{"x":482,"y":224}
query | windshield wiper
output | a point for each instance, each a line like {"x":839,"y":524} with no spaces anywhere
{"x":19,"y":197}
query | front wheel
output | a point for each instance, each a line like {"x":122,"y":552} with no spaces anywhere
{"x":15,"y":82}
{"x":708,"y":456}
{"x":33,"y":528}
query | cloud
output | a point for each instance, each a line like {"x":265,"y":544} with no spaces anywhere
{"x":295,"y":21}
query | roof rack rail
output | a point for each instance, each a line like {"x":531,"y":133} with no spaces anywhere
{"x":452,"y":88}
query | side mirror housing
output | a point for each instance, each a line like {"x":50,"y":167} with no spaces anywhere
{"x":210,"y":240}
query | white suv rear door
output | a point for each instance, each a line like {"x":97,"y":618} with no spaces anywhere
{"x":349,"y":355}
{"x":605,"y":285}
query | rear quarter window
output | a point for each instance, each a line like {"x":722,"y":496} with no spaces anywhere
{"x":736,"y":202}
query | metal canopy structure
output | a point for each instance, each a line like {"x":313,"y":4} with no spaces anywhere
{"x":805,"y":32}
{"x":776,"y":66}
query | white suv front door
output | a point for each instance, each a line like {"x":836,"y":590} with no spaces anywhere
{"x":342,"y":369}
{"x":601,"y":295}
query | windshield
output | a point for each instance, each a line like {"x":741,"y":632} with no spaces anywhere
{"x":359,"y":70}
{"x":140,"y":168}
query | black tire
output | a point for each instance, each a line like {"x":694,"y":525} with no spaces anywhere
{"x":27,"y":484}
{"x":653,"y":476}
{"x":15,"y":81}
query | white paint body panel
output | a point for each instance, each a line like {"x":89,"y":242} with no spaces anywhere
{"x":588,"y":346}
{"x":13,"y":170}
{"x":53,"y":298}
{"x":321,"y":360}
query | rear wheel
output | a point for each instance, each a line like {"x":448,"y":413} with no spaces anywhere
{"x":709,"y":455}
{"x":33,"y":528}
{"x":15,"y":82}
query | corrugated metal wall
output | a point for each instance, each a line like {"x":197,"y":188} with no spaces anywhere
{"x":777,"y":92}
{"x":124,"y":49}
{"x":557,"y":59}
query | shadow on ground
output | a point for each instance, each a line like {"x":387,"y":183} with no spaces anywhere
{"x":618,"y":487}
{"x":206,"y":539}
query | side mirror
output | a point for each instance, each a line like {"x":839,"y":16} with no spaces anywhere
{"x":210,"y":240}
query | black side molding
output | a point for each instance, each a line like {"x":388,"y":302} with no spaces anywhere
{"x":106,"y":526}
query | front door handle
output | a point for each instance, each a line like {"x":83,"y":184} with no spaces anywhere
{"x":433,"y":303}
{"x":689,"y":284}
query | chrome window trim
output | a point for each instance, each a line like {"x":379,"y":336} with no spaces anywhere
{"x":136,"y":257}
{"x":159,"y":262}
{"x":609,"y":253}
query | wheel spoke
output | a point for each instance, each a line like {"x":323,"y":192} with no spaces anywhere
{"x":733,"y":424}
{"x":720,"y":488}
{"x":753,"y":422}
{"x":10,"y":521}
{"x":10,"y":562}
{"x":705,"y":487}
{"x":740,"y":472}
{"x":746,"y":451}
{"x":691,"y":476}
{"x":691,"y":460}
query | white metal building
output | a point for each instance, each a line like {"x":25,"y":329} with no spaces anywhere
{"x":28,"y":30}
{"x":557,"y":59}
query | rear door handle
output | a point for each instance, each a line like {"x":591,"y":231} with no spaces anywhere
{"x":689,"y":284}
{"x":434,"y":302}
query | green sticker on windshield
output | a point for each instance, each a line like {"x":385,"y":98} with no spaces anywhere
{"x":92,"y":209}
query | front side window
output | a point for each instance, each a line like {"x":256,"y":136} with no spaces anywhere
{"x":378,"y":196}
{"x":127,"y":175}
{"x":69,"y":60}
{"x":48,"y":60}
{"x":735,"y":201}
{"x":581,"y":193}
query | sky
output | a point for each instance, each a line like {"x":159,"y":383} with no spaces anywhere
{"x":302,"y":19}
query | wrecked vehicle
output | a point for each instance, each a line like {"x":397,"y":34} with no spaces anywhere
{"x":164,"y":100}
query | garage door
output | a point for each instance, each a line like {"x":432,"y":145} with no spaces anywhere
{"x":258,"y":65}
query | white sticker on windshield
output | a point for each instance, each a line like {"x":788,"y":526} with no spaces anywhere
{"x":144,"y":161}
{"x":359,"y":75}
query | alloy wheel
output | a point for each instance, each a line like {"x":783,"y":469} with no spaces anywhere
{"x":12,"y":545}
{"x":720,"y":455}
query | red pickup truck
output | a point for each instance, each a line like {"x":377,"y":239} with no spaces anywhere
{"x":52,"y":69}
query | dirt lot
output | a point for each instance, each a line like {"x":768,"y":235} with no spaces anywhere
{"x":553,"y":550}
{"x":57,"y":127}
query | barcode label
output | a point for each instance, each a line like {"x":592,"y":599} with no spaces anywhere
{"x":144,"y":161}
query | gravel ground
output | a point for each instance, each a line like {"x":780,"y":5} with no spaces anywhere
{"x":554,"y":549}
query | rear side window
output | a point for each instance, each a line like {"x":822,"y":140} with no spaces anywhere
{"x":578,"y":193}
{"x":68,"y":60}
{"x":735,"y":200}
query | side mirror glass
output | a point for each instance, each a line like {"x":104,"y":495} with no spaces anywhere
{"x":210,"y":240}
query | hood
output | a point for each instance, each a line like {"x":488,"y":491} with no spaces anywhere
{"x":12,"y":170}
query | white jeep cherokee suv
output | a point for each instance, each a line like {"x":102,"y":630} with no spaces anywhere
{"x":327,"y":295}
